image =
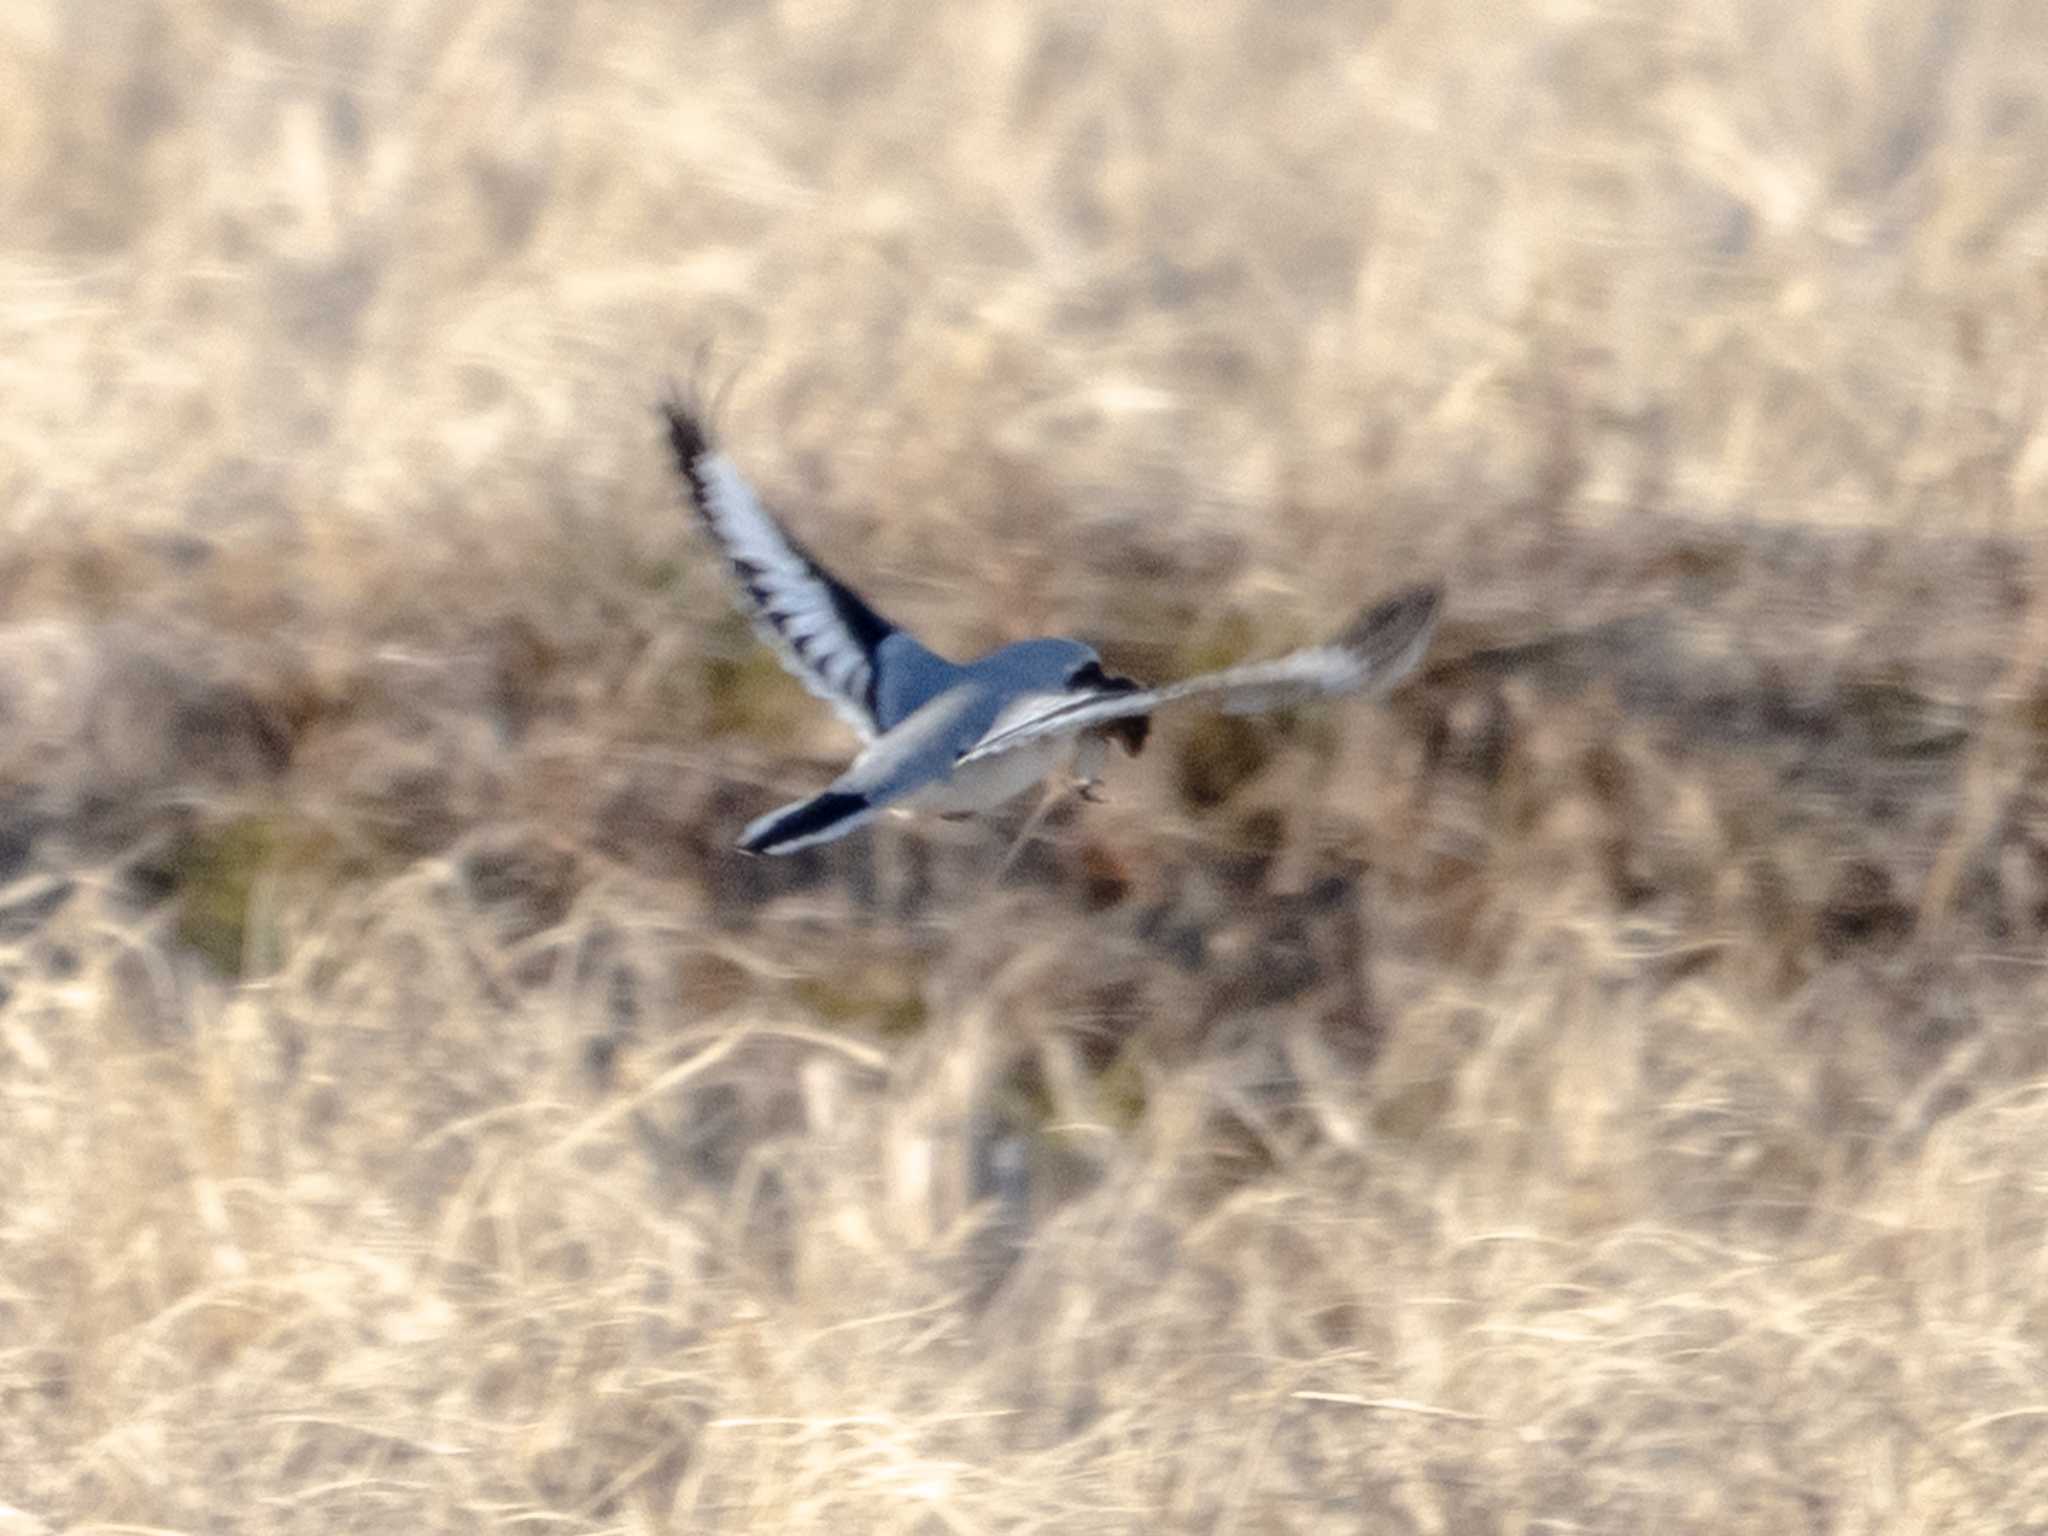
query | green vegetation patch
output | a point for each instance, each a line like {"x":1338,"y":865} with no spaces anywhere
{"x":886,"y":997}
{"x":747,"y":692}
{"x":1218,"y":756}
{"x":217,"y":870}
{"x":1229,"y":638}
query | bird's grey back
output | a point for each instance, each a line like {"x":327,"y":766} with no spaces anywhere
{"x":908,"y":677}
{"x":1032,"y":665}
{"x":950,"y":706}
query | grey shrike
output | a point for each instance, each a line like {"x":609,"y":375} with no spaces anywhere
{"x":957,"y":739}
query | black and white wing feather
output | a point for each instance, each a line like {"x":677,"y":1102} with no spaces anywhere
{"x":1378,"y":649}
{"x":836,"y":645}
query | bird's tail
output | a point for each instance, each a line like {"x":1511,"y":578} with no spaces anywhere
{"x":832,"y":813}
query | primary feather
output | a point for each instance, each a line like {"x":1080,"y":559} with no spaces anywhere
{"x":871,"y":671}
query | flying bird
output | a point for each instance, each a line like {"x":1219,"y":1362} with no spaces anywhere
{"x":956,"y":739}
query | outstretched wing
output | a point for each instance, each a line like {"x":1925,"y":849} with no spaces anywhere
{"x":1379,"y":648}
{"x":871,"y":672}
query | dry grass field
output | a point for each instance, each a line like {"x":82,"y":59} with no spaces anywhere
{"x":1603,"y":1089}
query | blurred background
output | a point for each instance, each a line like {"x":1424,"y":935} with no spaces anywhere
{"x":1601,"y":1089}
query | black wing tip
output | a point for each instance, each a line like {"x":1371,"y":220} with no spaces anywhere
{"x":691,"y":441}
{"x":1396,"y":626}
{"x":775,"y":832}
{"x":690,"y":401}
{"x":688,"y":436}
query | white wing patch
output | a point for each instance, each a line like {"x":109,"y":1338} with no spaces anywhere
{"x":1379,"y":649}
{"x":819,"y":627}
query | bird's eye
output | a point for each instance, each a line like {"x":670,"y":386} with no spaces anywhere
{"x":1087,"y":675}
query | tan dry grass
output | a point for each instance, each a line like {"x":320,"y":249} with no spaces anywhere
{"x":413,"y":1118}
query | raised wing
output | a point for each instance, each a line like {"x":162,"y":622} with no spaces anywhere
{"x":1379,"y":648}
{"x":871,"y":672}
